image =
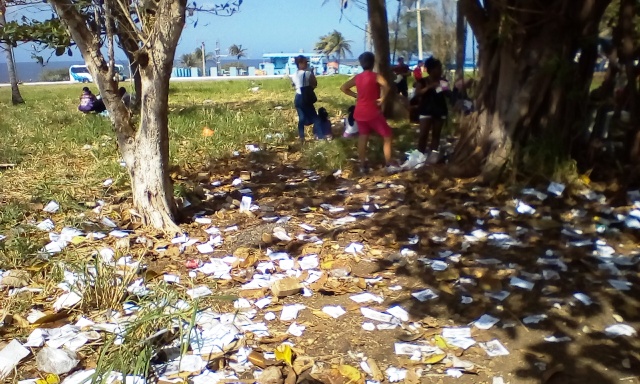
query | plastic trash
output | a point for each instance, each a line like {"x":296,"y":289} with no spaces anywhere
{"x":58,"y":361}
{"x":415,"y":159}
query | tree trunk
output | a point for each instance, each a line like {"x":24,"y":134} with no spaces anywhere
{"x":16,"y":97}
{"x":530,"y":84}
{"x":461,"y":43}
{"x":379,"y":27}
{"x":147,"y":157}
{"x":145,"y":150}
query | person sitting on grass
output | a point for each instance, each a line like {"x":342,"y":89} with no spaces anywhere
{"x":89,"y":102}
{"x":350,"y":125}
{"x":322,"y":125}
{"x":372,"y":90}
{"x":433,"y":91}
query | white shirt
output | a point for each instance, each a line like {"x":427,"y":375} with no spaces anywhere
{"x":297,"y":77}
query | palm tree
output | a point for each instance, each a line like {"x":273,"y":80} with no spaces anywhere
{"x":188,"y":60}
{"x":334,"y":44}
{"x":197,"y":54}
{"x":238,"y":51}
{"x":16,"y":97}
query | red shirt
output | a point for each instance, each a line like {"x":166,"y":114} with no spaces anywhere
{"x":417,"y":73}
{"x":368,"y":91}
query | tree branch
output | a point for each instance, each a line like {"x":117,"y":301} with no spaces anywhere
{"x":476,"y":16}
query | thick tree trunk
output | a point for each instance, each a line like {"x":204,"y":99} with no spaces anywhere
{"x":379,"y":27}
{"x":530,"y":84}
{"x":16,"y":97}
{"x":146,"y":149}
{"x":461,"y":42}
{"x":147,"y":157}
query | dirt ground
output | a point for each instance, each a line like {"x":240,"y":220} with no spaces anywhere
{"x":438,"y":213}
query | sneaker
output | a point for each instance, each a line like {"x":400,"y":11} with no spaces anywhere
{"x":434,"y":157}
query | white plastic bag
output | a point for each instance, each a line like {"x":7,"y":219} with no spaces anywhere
{"x":415,"y":160}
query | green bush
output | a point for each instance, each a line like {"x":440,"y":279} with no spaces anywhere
{"x":61,"y":74}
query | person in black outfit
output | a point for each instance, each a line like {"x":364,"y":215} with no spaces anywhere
{"x":433,"y":91}
{"x":403,"y":71}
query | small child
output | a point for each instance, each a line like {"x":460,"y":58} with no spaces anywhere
{"x":433,"y":91}
{"x":322,"y":126}
{"x":372,"y":89}
{"x":350,"y":124}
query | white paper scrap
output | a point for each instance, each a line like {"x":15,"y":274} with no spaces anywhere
{"x":520,"y":283}
{"x":620,"y":285}
{"x":368,"y":326}
{"x":620,"y":330}
{"x":366,"y":297}
{"x":290,"y":312}
{"x":10,"y":356}
{"x":399,"y":313}
{"x":534,"y":319}
{"x":46,"y":225}
{"x":584,"y":299}
{"x":296,"y":329}
{"x":454,"y":333}
{"x":375,"y":315}
{"x":245,"y":204}
{"x":486,"y":322}
{"x":494,"y":348}
{"x":354,"y":248}
{"x":334,"y":311}
{"x":411,"y":349}
{"x":51,"y":207}
{"x":425,"y":295}
{"x":199,"y":292}
{"x":556,"y":189}
{"x":455,"y":373}
{"x":67,"y":300}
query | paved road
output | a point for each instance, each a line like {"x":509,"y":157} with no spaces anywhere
{"x":176,"y":79}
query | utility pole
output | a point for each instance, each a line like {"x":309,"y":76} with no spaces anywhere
{"x":419,"y":19}
{"x":204,"y":61}
{"x":419,"y":11}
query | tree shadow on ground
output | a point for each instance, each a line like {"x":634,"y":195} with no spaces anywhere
{"x":441,"y":214}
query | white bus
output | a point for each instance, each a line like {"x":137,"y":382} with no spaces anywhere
{"x":81,"y":74}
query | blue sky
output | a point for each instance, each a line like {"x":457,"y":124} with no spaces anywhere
{"x":261,"y":26}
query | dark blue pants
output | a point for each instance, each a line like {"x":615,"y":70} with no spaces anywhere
{"x":307,"y":114}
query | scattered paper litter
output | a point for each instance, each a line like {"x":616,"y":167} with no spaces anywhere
{"x":534,"y":319}
{"x":396,"y":374}
{"x":486,"y":322}
{"x":10,"y":356}
{"x":584,"y":299}
{"x":334,"y":311}
{"x":366,"y":297}
{"x":620,"y":330}
{"x":368,"y":326}
{"x":375,"y":315}
{"x":494,"y":348}
{"x":290,"y":312}
{"x":354,"y":248}
{"x":411,"y":349}
{"x":524,"y":209}
{"x":281,"y":234}
{"x":425,"y":295}
{"x":399,"y":313}
{"x":520,"y":283}
{"x":556,"y":188}
{"x":557,"y":339}
{"x":245,"y":204}
{"x":620,"y":285}
{"x":199,"y":292}
{"x":296,"y":329}
{"x":454,"y":333}
{"x":51,"y":207}
{"x":455,"y":373}
{"x":46,"y":225}
{"x":498,"y":380}
{"x":67,"y":300}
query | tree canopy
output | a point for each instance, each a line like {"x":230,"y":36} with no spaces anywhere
{"x":334,"y":44}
